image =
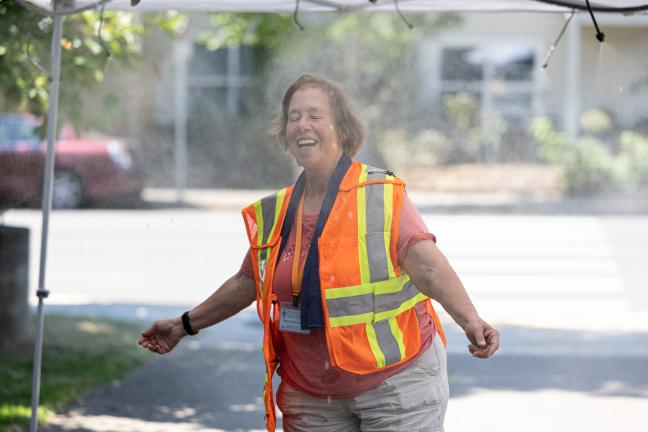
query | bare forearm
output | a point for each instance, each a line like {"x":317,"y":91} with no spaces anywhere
{"x":431,"y":273}
{"x":237,"y":293}
{"x":445,"y":287}
{"x":233,"y":296}
{"x":433,"y":276}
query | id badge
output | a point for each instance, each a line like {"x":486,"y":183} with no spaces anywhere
{"x":290,"y":319}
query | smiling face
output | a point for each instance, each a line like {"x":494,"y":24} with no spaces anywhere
{"x":310,"y":129}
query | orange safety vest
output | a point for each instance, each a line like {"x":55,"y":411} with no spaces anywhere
{"x":368,"y":303}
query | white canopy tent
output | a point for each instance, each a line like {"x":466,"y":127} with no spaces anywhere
{"x":59,"y":8}
{"x":275,"y":6}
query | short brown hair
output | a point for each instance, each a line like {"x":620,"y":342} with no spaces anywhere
{"x":349,"y":127}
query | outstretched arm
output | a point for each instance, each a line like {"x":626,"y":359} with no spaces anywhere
{"x":234,"y":295}
{"x":432,"y":274}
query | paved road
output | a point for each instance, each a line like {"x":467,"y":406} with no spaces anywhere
{"x":564,"y":272}
{"x":569,"y":293}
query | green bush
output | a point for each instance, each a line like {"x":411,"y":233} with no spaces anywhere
{"x":588,"y":163}
{"x":595,"y":121}
{"x":588,"y":167}
{"x":465,"y":135}
{"x":630,"y":169}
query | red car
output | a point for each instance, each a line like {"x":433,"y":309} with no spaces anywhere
{"x":86,"y":170}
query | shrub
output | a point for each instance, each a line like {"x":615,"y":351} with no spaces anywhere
{"x":588,"y":164}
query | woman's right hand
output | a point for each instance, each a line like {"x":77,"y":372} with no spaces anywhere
{"x":162,"y":336}
{"x":237,"y":293}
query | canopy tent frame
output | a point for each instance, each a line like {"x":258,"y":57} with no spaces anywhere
{"x":58,"y":9}
{"x":274,"y":6}
{"x":42,"y":292}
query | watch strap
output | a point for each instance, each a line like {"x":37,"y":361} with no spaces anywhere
{"x":187,"y":324}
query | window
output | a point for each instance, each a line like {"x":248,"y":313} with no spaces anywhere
{"x":218,"y":79}
{"x":500,"y":76}
{"x":16,"y":132}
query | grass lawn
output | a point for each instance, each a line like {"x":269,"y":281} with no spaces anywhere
{"x":78,"y":354}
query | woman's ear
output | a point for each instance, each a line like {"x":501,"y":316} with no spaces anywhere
{"x":342,"y":137}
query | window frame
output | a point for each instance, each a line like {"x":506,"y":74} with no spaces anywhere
{"x":485,"y":87}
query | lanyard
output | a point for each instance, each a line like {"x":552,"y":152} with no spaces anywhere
{"x":297,"y":267}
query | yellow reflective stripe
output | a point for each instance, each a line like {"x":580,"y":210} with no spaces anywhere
{"x":363,"y":174}
{"x":258,"y":212}
{"x":402,"y":308}
{"x":351,"y":291}
{"x":373,"y":316}
{"x":389,"y":211}
{"x":388,"y":286}
{"x":375,"y":348}
{"x":280,"y":199}
{"x":351,"y":319}
{"x":398,"y":335}
{"x":363,"y":257}
{"x":391,"y":286}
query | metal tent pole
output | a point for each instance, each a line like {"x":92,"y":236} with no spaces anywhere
{"x":181,"y":53}
{"x":42,"y":293}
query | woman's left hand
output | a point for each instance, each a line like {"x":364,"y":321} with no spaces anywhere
{"x":484,"y":339}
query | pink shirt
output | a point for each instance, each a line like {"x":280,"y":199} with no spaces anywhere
{"x":304,"y":359}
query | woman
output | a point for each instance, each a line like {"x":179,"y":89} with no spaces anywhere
{"x":349,"y":324}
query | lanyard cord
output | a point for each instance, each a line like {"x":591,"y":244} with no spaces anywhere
{"x":298,"y":266}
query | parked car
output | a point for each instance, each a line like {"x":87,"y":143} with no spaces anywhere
{"x":85,"y":170}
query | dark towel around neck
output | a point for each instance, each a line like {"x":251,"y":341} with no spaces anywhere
{"x":312,"y":315}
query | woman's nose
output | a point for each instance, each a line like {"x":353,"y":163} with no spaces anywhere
{"x":304,"y":123}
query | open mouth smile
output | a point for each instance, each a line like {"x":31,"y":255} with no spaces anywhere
{"x":306,"y":143}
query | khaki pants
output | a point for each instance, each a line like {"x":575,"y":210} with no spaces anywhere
{"x":412,"y":400}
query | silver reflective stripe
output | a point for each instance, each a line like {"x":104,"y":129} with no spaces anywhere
{"x":387,"y":302}
{"x":354,"y":305}
{"x":268,"y":205}
{"x":387,"y":342}
{"x":375,"y":202}
{"x":371,"y":303}
{"x":376,"y":251}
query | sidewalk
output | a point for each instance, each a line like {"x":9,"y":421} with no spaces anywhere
{"x":540,"y":380}
{"x":214,"y":390}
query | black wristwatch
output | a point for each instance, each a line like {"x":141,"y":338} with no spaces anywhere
{"x":187,"y":324}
